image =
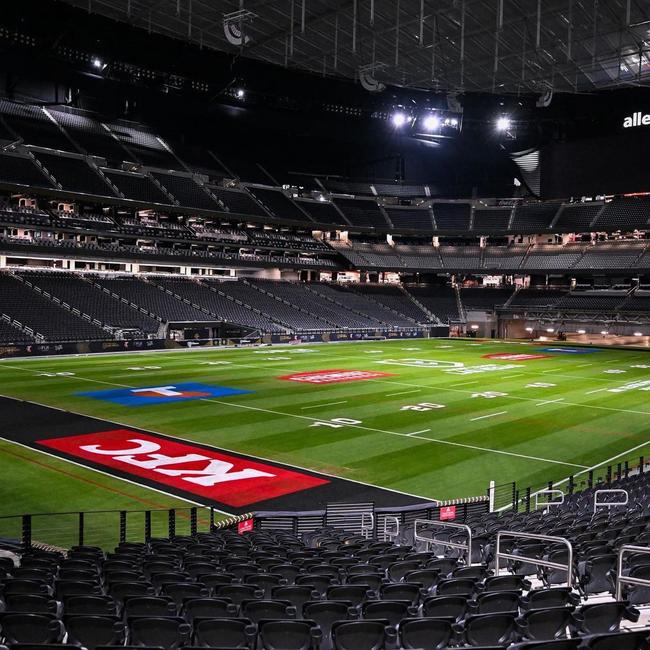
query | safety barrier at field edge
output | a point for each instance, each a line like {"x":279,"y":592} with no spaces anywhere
{"x":526,"y":499}
{"x":130,"y":345}
{"x":100,"y":526}
{"x":310,"y":521}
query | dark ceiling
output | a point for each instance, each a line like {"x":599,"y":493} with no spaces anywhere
{"x":500,"y":46}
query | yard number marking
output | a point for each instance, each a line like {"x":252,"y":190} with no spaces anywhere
{"x":335,"y":423}
{"x":56,"y":374}
{"x":489,"y":394}
{"x":423,"y":406}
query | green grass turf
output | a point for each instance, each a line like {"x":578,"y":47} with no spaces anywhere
{"x":532,"y":440}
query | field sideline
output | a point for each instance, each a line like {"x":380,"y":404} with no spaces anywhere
{"x":444,"y":418}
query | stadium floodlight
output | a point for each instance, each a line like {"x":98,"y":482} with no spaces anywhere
{"x":240,"y":93}
{"x":431,"y":123}
{"x":97,"y":63}
{"x":454,"y":121}
{"x":398,"y":119}
{"x":503,"y":123}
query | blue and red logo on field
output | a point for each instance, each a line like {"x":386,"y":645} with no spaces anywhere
{"x":148,"y":395}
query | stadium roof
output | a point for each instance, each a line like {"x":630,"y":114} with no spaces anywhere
{"x":502,"y":46}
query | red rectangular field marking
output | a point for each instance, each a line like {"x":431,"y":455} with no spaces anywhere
{"x":516,"y":356}
{"x":203,"y":472}
{"x":333,"y":376}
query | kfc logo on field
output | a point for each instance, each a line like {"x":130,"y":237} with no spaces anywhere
{"x":203,"y":472}
{"x":515,"y":356}
{"x":333,"y":376}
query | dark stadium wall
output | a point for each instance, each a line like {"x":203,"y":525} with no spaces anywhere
{"x":612,"y":164}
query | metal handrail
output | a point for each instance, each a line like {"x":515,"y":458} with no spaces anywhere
{"x":394,"y":532}
{"x":609,"y":504}
{"x":441,"y":542}
{"x":568,"y":567}
{"x":552,"y":494}
{"x":627,"y":580}
{"x":367,"y":530}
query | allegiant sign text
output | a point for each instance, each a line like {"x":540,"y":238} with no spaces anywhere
{"x":636,"y":119}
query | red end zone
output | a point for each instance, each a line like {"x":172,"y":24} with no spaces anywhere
{"x":333,"y":376}
{"x":231,"y":480}
{"x":516,"y":356}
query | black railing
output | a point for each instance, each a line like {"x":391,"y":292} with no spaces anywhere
{"x":104,"y":528}
{"x":108,"y":528}
{"x":526,"y":498}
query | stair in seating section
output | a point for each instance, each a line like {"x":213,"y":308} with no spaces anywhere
{"x":461,"y":308}
{"x":382,"y":306}
{"x":289,"y":304}
{"x":432,"y":317}
{"x":62,"y":303}
{"x":341,"y":305}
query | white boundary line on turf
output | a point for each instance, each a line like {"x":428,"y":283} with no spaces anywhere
{"x":450,"y":387}
{"x":587,"y":470}
{"x":405,"y":392}
{"x":207,"y":348}
{"x":403,"y":435}
{"x":519,"y":397}
{"x":218,"y":449}
{"x":356,"y":426}
{"x":103,"y":473}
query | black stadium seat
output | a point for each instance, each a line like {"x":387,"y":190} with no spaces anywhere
{"x":168,"y":633}
{"x":31,"y":628}
{"x":92,"y":631}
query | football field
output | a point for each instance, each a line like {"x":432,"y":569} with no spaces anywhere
{"x":435,"y":418}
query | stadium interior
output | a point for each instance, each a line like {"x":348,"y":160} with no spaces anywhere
{"x":396,"y":254}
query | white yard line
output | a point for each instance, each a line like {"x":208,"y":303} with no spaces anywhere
{"x":395,"y":433}
{"x":194,"y":442}
{"x":415,"y":433}
{"x":519,"y":374}
{"x":405,"y":392}
{"x":525,"y":399}
{"x":358,"y":426}
{"x":484,"y":417}
{"x":319,"y":406}
{"x":584,"y":365}
{"x":551,"y":401}
{"x":599,"y":390}
{"x":114,"y":476}
{"x":451,"y":387}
